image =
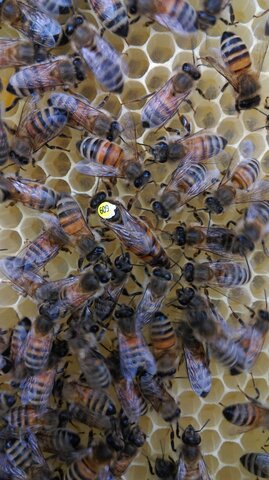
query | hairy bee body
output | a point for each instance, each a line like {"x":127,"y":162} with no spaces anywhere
{"x":113,"y":15}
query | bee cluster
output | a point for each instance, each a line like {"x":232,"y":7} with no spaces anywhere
{"x":134,"y":254}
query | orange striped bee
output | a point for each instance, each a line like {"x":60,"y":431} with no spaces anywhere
{"x":164,"y":344}
{"x":113,"y":15}
{"x":238,"y":71}
{"x":93,"y":400}
{"x":255,"y":227}
{"x":88,"y":465}
{"x":15,"y":52}
{"x":100,"y":57}
{"x":256,"y":463}
{"x":164,"y":104}
{"x":46,"y":76}
{"x":81,"y":114}
{"x":176,"y":15}
{"x":27,"y":416}
{"x":134,"y":233}
{"x":222,"y":273}
{"x":36,"y":389}
{"x":61,"y":441}
{"x":249,"y":415}
{"x":123,"y":460}
{"x":29,"y":193}
{"x":38,"y":345}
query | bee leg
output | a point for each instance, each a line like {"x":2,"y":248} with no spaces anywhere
{"x":224,"y":87}
{"x":103,"y":102}
{"x":231,"y":222}
{"x":136,"y":281}
{"x":172,"y":439}
{"x":171,"y":130}
{"x":56,"y":147}
{"x":135,"y":20}
{"x":9,"y":129}
{"x":261,"y":14}
{"x":201,"y":93}
{"x":150,"y":466}
{"x":265,"y":249}
{"x":62,"y":135}
{"x":13,"y":104}
{"x":149,"y":23}
{"x":190,"y":104}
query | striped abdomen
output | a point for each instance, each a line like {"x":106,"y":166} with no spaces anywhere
{"x":243,"y":414}
{"x":43,"y":125}
{"x":32,"y":195}
{"x":95,"y":401}
{"x":134,"y":356}
{"x":19,"y":453}
{"x":231,"y":274}
{"x":177,"y":15}
{"x":37,"y":389}
{"x":227,"y":352}
{"x":23,"y":417}
{"x":196,"y":174}
{"x":113,"y":15}
{"x":256,"y":220}
{"x":256,"y":463}
{"x":40,"y":251}
{"x":234,"y":52}
{"x":96,"y":373}
{"x":18,"y":338}
{"x":37,"y":350}
{"x":204,"y":146}
{"x":81,"y":470}
{"x":4,"y":146}
{"x":245,"y":174}
{"x":71,"y":218}
{"x":162,"y":333}
{"x":102,"y":151}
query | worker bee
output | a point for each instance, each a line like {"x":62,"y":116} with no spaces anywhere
{"x":16,"y":52}
{"x":256,"y":463}
{"x":134,"y":233}
{"x":113,"y":15}
{"x":177,"y":15}
{"x":26,"y":283}
{"x":88,"y":465}
{"x":19,"y":335}
{"x":238,"y":71}
{"x":91,"y":418}
{"x":196,"y":361}
{"x":36,"y":389}
{"x":211,"y":9}
{"x":61,"y":441}
{"x":133,"y":350}
{"x":164,"y":344}
{"x":36,"y":128}
{"x":123,"y":460}
{"x":25,"y":417}
{"x":4,"y":145}
{"x":196,"y":148}
{"x":191,"y":464}
{"x":20,"y":455}
{"x":95,"y":401}
{"x":153,"y":297}
{"x":41,"y":77}
{"x":32,"y":22}
{"x":166,"y":101}
{"x":236,"y":188}
{"x":185,"y":183}
{"x":54,"y":7}
{"x":81,"y":114}
{"x":100,"y":57}
{"x":38,"y":345}
{"x":75,"y":227}
{"x":221,"y":273}
{"x":29,"y":193}
{"x":255,"y":227}
{"x":216,"y":240}
{"x":162,"y":402}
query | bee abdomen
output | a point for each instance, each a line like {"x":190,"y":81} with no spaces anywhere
{"x":246,"y":174}
{"x":234,"y":52}
{"x":185,"y":15}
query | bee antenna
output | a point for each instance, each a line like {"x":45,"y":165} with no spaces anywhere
{"x":200,"y":429}
{"x":265,"y":297}
{"x":124,"y":141}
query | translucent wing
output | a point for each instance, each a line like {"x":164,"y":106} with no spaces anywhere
{"x":44,"y":29}
{"x":94,"y":169}
{"x":223,"y":71}
{"x":203,"y":469}
{"x":199,"y":187}
{"x":198,"y":369}
{"x":147,"y":306}
{"x":181,"y":470}
{"x":258,"y":193}
{"x":31,"y":78}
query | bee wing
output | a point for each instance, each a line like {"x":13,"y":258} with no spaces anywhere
{"x":109,"y":54}
{"x":198,"y":370}
{"x":258,"y":55}
{"x":223,"y":71}
{"x":147,"y":306}
{"x":203,"y":469}
{"x":31,"y":386}
{"x":43,"y":30}
{"x":7,"y":468}
{"x":181,"y":469}
{"x":94,"y":169}
{"x":174,"y":23}
{"x":199,"y":187}
{"x":258,"y":193}
{"x":47,"y":70}
{"x":146,"y":360}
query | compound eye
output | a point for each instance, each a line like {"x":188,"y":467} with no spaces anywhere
{"x":69,"y":30}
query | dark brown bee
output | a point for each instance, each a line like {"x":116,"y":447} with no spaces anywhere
{"x":61,"y":441}
{"x":29,"y":193}
{"x":25,"y":417}
{"x":222,"y":273}
{"x":100,"y":57}
{"x":197,"y":148}
{"x":133,"y":350}
{"x":76,"y":229}
{"x":36,"y":128}
{"x":134,"y":233}
{"x":42,"y":77}
{"x":88,"y":465}
{"x":54,"y":7}
{"x":162,"y":402}
{"x":153,"y":297}
{"x":238,"y":71}
{"x":166,"y":101}
{"x":95,"y":401}
{"x":176,"y":15}
{"x":19,"y":335}
{"x":91,"y":418}
{"x":4,"y":145}
{"x":234,"y":190}
{"x":164,"y":344}
{"x":191,"y":464}
{"x":255,"y":227}
{"x":113,"y":15}
{"x":38,"y":345}
{"x":107,"y":159}
{"x":196,"y":361}
{"x":81,"y":114}
{"x":32,"y":22}
{"x":16,"y":52}
{"x":256,"y":463}
{"x":185,"y":183}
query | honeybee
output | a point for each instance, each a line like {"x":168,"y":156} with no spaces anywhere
{"x":191,"y":464}
{"x":176,"y":15}
{"x":26,"y":283}
{"x":131,"y":431}
{"x":54,"y":7}
{"x":61,"y":441}
{"x":36,"y":128}
{"x":133,"y":350}
{"x":255,"y":227}
{"x":36,"y":389}
{"x":217,"y":240}
{"x":185,"y":183}
{"x":75,"y":227}
{"x":32,"y":22}
{"x":29,"y":193}
{"x":196,"y":361}
{"x":221,"y":273}
{"x":82,"y":114}
{"x":256,"y":463}
{"x":211,"y":9}
{"x":164,"y":343}
{"x":7,"y":401}
{"x":25,"y":417}
{"x":162,"y":402}
{"x":238,"y":71}
{"x":38,"y":345}
{"x":66,"y":295}
{"x":107,"y":159}
{"x":88,"y":465}
{"x":91,"y":418}
{"x":62,"y":71}
{"x":16,"y":52}
{"x":95,"y":401}
{"x":100,"y":57}
{"x":113,"y":15}
{"x":123,"y":460}
{"x":235,"y":188}
{"x":4,"y":145}
{"x":20,"y":455}
{"x":196,"y":148}
{"x":153,"y":297}
{"x":134,"y":233}
{"x":166,"y":101}
{"x":19,"y":335}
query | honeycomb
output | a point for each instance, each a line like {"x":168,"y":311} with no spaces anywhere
{"x":151,"y":54}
